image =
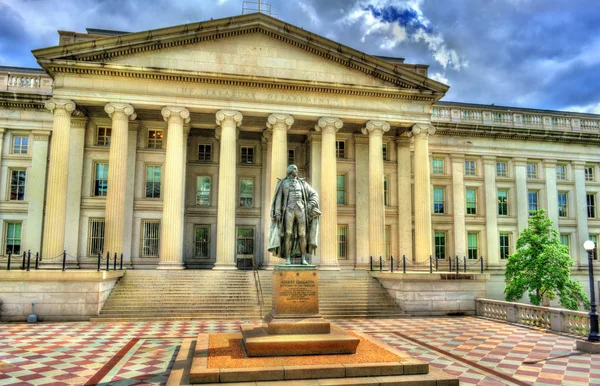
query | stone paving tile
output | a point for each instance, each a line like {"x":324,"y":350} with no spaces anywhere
{"x":478,"y":351}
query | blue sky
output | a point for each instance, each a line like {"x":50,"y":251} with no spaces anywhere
{"x":527,"y":53}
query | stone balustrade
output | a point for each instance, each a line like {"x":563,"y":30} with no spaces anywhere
{"x":554,"y":319}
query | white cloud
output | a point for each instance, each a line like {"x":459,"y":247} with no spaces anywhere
{"x":439,"y":77}
{"x":310,"y":11}
{"x":593,"y":108}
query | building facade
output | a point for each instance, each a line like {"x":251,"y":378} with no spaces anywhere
{"x":166,"y":145}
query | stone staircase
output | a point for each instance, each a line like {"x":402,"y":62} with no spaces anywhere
{"x":184,"y":295}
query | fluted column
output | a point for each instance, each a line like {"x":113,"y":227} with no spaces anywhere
{"x":268,"y":260}
{"x":491,"y":211}
{"x":458,"y":203}
{"x":361,"y":164}
{"x":171,"y":235}
{"x":583,"y":232}
{"x":328,"y":197}
{"x":36,"y":181}
{"x":227,"y":132}
{"x":114,"y":233}
{"x":1,"y":140}
{"x":58,"y":177}
{"x":375,"y":130}
{"x":521,"y":187}
{"x":278,"y":124}
{"x":423,"y":239}
{"x":314,"y":173}
{"x":404,"y":196}
{"x":551,"y":192}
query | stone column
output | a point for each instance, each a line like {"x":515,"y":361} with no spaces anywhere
{"x":491,"y":211}
{"x":278,"y":124}
{"x":227,"y":133}
{"x":114,"y":233}
{"x":521,"y":185}
{"x":361,"y":158}
{"x":458,"y":203}
{"x":314,"y":139}
{"x":551,"y":192}
{"x":129,"y":193}
{"x":36,"y":181}
{"x":58,"y":177}
{"x":423,"y":238}
{"x":583,"y":232}
{"x":1,"y":148}
{"x":328,"y":197}
{"x":375,"y":130}
{"x":266,"y":145}
{"x":171,"y":235}
{"x":404,"y":197}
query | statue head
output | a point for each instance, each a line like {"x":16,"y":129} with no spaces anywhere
{"x":292,"y":169}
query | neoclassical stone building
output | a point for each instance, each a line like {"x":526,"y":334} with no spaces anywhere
{"x":166,"y":145}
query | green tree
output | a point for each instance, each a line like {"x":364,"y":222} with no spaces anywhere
{"x":541,"y":267}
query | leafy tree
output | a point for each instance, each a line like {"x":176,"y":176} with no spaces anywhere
{"x":541,"y":267}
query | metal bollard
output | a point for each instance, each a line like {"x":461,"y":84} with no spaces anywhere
{"x":37,"y":260}
{"x":430,"y":264}
{"x":23,"y":262}
{"x":8,"y":262}
{"x":107,"y":261}
{"x":403,"y":263}
{"x":371,"y":263}
{"x":457,"y":265}
{"x":99,"y":258}
{"x":481,"y":260}
{"x":449,"y":263}
{"x":392,"y":264}
{"x":437,"y":262}
{"x":465,"y":263}
{"x":115,"y":262}
{"x":28,"y":261}
{"x":64,"y":267}
{"x":380,"y":264}
{"x":121,"y":263}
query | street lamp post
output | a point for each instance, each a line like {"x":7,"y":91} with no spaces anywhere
{"x":594,"y":335}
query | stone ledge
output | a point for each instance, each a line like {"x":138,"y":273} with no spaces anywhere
{"x":59,"y":276}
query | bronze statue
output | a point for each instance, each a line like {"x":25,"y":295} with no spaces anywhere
{"x":294,"y":218}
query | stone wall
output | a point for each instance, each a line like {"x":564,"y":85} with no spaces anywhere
{"x":423,"y":294}
{"x":64,"y":296}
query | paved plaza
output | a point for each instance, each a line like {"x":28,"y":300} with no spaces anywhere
{"x":478,"y":351}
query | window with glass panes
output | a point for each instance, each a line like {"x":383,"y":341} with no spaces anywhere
{"x":502,"y":202}
{"x":501,"y":169}
{"x":384,"y":151}
{"x":561,"y":172}
{"x":471,"y":195}
{"x":342,"y":238}
{"x":13,"y":238}
{"x":20,"y":144}
{"x":155,"y":139}
{"x":202,"y":241}
{"x":531,"y":170}
{"x":204,"y":153}
{"x":438,"y":200}
{"x":291,"y":157}
{"x":591,"y":205}
{"x":101,"y":180}
{"x":532,"y":200}
{"x":437,"y":166}
{"x":385,"y":191}
{"x":564,"y":240}
{"x":594,"y":238}
{"x":203,"y":191}
{"x":245,"y":242}
{"x":341,"y":189}
{"x":562,"y":204}
{"x":504,"y":246}
{"x":247,"y":156}
{"x":103,"y":136}
{"x":472,"y":246}
{"x":95,"y":236}
{"x":246,"y":192}
{"x":340,"y":149}
{"x":17,"y":185}
{"x":439,"y":245}
{"x":153,"y":181}
{"x":469,"y":168}
{"x":589,"y":173}
{"x":150,"y":237}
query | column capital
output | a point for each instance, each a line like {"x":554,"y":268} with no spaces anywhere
{"x":375,"y":127}
{"x":327,"y":124}
{"x":424,"y":129}
{"x":1,"y":132}
{"x":403,"y":140}
{"x":175,"y":112}
{"x":313,"y":136}
{"x":79,"y":123}
{"x":118,"y":107}
{"x":60,"y":104}
{"x":229,"y":115}
{"x":578,"y":164}
{"x":267,"y":136}
{"x":41,"y":135}
{"x":278,"y":119}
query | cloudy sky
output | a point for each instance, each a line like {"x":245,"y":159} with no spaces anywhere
{"x":528,"y":53}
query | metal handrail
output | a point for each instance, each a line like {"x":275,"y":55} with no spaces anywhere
{"x":258,"y":285}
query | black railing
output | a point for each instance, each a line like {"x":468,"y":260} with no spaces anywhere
{"x":27,"y":265}
{"x":455,"y":265}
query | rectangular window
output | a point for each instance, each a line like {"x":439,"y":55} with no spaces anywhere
{"x":531,"y":170}
{"x":247,"y":156}
{"x":387,"y":243}
{"x":291,"y":154}
{"x":471,"y":195}
{"x":562,"y":205}
{"x":469,"y":168}
{"x":341,"y":189}
{"x":472,"y":251}
{"x":594,"y":238}
{"x":103,"y":136}
{"x":202,"y":241}
{"x":438,"y":200}
{"x":203,"y":191}
{"x":502,"y":202}
{"x":504,"y":246}
{"x":501,"y":169}
{"x":437,"y":166}
{"x":342,"y":236}
{"x":589,"y":173}
{"x":440,"y":245}
{"x":150,"y":237}
{"x":561,"y":172}
{"x":591,"y":205}
{"x":384,"y":151}
{"x":204,"y":153}
{"x":385,"y":191}
{"x":532,"y":201}
{"x":153,"y":181}
{"x":96,"y":236}
{"x":20,"y":144}
{"x":101,"y":180}
{"x":246,"y":192}
{"x":564,"y":240}
{"x":245,"y":242}
{"x":13,"y":238}
{"x":155,"y":139}
{"x":340,"y":149}
{"x":17,"y":185}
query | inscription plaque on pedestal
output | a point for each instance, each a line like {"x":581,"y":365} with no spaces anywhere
{"x":298,"y":294}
